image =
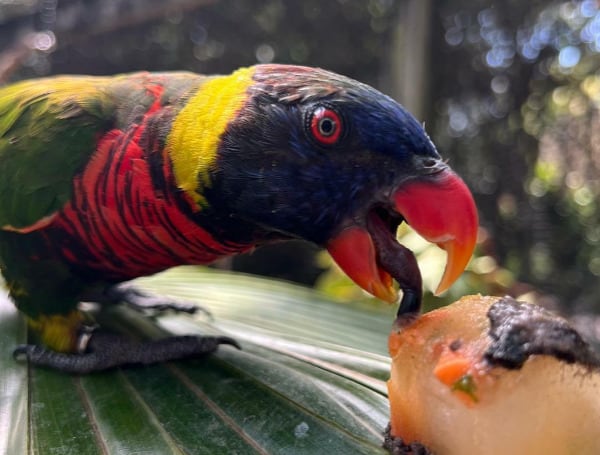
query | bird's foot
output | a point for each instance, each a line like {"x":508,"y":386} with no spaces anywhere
{"x":142,"y":301}
{"x":106,"y":350}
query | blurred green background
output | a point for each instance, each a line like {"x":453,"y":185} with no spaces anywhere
{"x":508,"y":90}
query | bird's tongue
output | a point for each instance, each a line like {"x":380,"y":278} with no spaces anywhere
{"x":440,"y":208}
{"x":393,"y":259}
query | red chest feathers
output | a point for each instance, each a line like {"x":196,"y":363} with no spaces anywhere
{"x":121,"y":224}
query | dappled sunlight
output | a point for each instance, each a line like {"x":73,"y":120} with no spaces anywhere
{"x":522,"y":126}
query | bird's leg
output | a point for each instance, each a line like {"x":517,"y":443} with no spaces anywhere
{"x":106,"y":350}
{"x":69,"y":343}
{"x":141,"y":301}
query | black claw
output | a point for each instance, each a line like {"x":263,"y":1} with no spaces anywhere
{"x":20,"y":352}
{"x":142,"y":301}
{"x":229,"y":341}
{"x":106,"y":351}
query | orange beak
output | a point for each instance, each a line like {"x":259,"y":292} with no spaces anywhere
{"x":439,"y":207}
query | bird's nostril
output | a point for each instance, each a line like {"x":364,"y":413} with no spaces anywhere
{"x":429,"y":162}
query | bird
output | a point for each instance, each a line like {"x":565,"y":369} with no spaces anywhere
{"x":109,"y":178}
{"x":492,"y":375}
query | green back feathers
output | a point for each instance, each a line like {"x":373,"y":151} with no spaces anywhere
{"x":48,"y":128}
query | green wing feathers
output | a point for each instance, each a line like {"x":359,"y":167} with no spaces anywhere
{"x":48,"y":128}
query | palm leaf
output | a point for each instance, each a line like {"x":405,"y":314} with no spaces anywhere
{"x":309,"y":379}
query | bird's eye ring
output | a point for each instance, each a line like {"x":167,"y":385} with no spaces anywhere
{"x":325,"y":125}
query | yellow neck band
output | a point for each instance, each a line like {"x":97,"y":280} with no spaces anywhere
{"x":194,"y":138}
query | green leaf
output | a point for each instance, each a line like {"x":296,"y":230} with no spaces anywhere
{"x":309,"y":379}
{"x":13,"y":383}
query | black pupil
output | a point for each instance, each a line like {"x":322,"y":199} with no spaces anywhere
{"x":327,"y":126}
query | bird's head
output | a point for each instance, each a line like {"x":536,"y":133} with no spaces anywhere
{"x":314,"y":155}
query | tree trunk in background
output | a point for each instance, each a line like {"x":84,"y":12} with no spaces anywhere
{"x":407,"y":78}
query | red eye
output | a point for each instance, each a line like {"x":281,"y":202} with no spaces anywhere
{"x":325,"y":125}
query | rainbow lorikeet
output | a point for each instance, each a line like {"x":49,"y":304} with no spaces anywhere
{"x":105,"y":179}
